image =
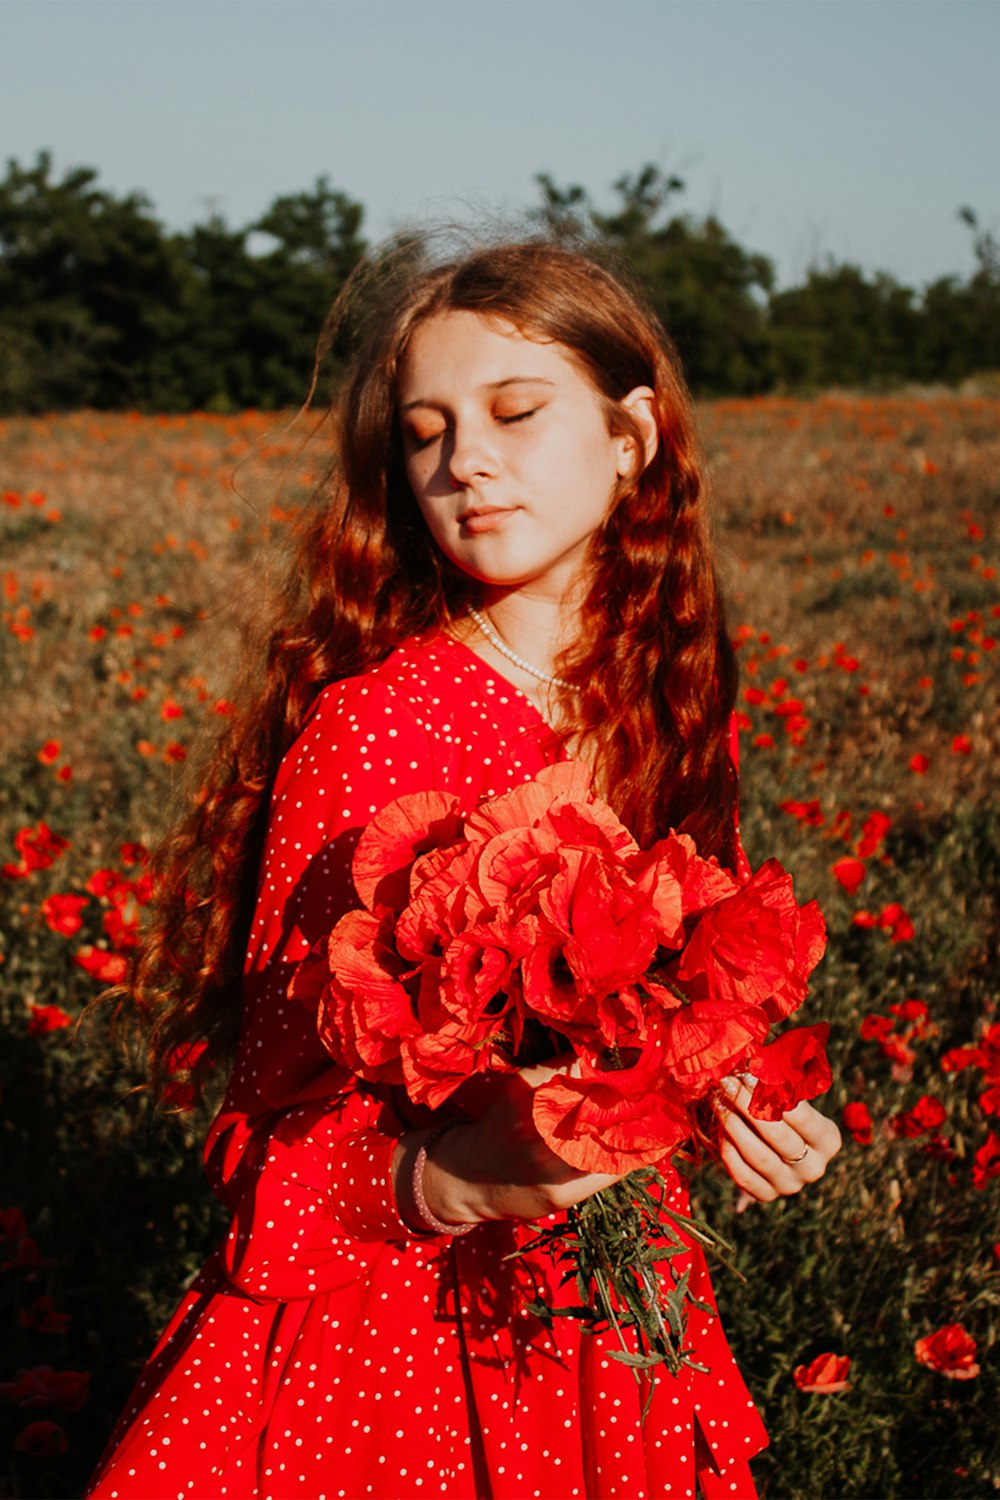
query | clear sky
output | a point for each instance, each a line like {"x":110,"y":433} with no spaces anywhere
{"x":845,"y":128}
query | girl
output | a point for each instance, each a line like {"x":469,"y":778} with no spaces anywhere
{"x":508,"y":566}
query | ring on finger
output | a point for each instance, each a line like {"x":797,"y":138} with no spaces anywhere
{"x":791,"y":1161}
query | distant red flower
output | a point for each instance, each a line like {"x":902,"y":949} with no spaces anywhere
{"x":989,"y":1102}
{"x":986,"y":1166}
{"x":806,"y":812}
{"x":107,"y":884}
{"x":858,"y":1122}
{"x":44,"y":1386}
{"x":42,"y":1440}
{"x":961,"y":745}
{"x":874,"y":1028}
{"x":108,"y":968}
{"x":850,"y":872}
{"x":38,"y":847}
{"x":873,"y":832}
{"x":919,"y":764}
{"x":174,"y":752}
{"x":896,"y":922}
{"x":43,"y":1317}
{"x":927,"y":1114}
{"x":910,"y":1010}
{"x":826,"y":1375}
{"x":62,"y":913}
{"x":171,"y":709}
{"x":134,"y":854}
{"x":950,"y":1351}
{"x":957,"y":1058}
{"x":898,"y":1051}
{"x":46,"y":1018}
{"x":49,"y":753}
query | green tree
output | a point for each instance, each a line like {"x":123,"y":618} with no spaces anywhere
{"x":842,"y":328}
{"x":709,"y":292}
{"x":93,"y":294}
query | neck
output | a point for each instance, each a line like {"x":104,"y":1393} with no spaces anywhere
{"x":537,"y":628}
{"x":530,"y":628}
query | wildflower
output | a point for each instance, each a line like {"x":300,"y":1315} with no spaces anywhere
{"x":986,"y":1165}
{"x":858,"y":1122}
{"x":47,"y":1018}
{"x":42,"y":1440}
{"x":62,"y":913}
{"x":826,"y":1375}
{"x":850,"y":872}
{"x":950,"y":1351}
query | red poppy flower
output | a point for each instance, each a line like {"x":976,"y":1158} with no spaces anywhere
{"x":100,"y":964}
{"x":919,"y":764}
{"x":609,"y":1119}
{"x":961,"y":745}
{"x":791,"y":1068}
{"x":950,"y":1351}
{"x":986,"y":1166}
{"x":873,"y":832}
{"x":957,"y":1058}
{"x":43,"y":1317}
{"x":392,"y":841}
{"x":897,"y":922}
{"x":47,"y":1018}
{"x":874,"y":1028}
{"x":850,"y":873}
{"x":42,"y":1440}
{"x":858,"y":1122}
{"x":108,"y":884}
{"x":927,"y":1114}
{"x":62,"y":913}
{"x":826,"y":1375}
{"x":44,"y":1386}
{"x":50,"y":752}
{"x":757,"y":946}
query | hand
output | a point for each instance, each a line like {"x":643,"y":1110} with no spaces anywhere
{"x":499,"y":1167}
{"x":772,"y":1159}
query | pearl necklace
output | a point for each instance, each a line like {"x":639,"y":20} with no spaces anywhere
{"x":518,"y":661}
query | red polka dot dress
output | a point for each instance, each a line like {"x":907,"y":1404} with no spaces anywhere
{"x":326,"y":1351}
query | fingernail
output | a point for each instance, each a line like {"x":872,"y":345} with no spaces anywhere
{"x":730,"y":1086}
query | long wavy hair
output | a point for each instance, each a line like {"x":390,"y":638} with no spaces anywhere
{"x":653,"y":666}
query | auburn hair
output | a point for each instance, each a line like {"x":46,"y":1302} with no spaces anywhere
{"x":653,"y":666}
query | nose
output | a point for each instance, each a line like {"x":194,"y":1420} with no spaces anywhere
{"x":471,"y":457}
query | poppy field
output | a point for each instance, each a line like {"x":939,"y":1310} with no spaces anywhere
{"x":857,"y":542}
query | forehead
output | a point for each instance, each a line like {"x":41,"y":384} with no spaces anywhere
{"x":472,"y":349}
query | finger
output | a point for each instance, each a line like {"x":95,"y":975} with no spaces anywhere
{"x":780,"y":1135}
{"x":799,"y":1130}
{"x":746,"y":1179}
{"x":761,"y":1158}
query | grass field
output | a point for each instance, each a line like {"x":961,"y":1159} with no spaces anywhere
{"x":857,"y":538}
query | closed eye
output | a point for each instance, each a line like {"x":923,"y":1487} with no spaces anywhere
{"x":517,"y":416}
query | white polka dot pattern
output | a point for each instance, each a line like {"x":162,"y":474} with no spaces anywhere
{"x":325,"y":1351}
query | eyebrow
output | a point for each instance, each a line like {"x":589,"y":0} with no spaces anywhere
{"x":493,"y":385}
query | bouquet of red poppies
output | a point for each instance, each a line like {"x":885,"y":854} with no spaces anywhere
{"x":536,"y":926}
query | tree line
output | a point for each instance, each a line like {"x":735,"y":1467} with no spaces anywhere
{"x":101,"y":306}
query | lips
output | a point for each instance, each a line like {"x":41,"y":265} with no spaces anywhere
{"x":484,"y":518}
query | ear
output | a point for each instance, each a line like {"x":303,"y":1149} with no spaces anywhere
{"x":640,"y":404}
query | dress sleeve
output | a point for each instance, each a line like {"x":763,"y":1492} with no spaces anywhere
{"x":300,"y":1152}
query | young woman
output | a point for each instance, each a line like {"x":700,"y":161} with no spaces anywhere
{"x":508,"y":566}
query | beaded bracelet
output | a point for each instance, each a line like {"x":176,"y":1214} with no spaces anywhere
{"x":434,"y":1224}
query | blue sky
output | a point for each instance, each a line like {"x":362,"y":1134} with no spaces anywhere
{"x":845,"y":128}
